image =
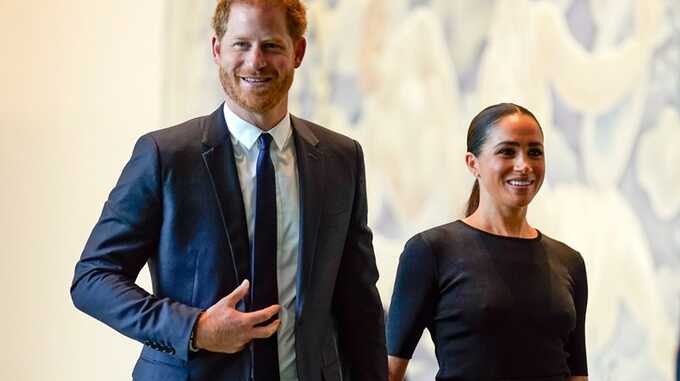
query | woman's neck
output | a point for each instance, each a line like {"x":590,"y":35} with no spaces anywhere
{"x":502,"y":221}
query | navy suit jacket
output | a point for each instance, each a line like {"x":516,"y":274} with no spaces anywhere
{"x":178,"y":207}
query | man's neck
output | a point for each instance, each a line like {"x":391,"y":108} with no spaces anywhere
{"x":264,"y":121}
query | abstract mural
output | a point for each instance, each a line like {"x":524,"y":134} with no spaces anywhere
{"x":405,"y":78}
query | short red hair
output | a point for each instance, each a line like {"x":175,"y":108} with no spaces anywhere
{"x":295,"y":13}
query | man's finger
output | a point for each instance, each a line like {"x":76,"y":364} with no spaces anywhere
{"x":239,"y":293}
{"x":265,"y":331}
{"x":261,"y":316}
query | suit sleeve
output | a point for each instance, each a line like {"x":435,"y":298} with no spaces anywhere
{"x":576,"y":344}
{"x":359,"y":311}
{"x":121,"y":242}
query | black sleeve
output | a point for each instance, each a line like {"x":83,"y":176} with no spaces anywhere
{"x":121,"y":242}
{"x":413,"y":298}
{"x":356,"y":301}
{"x":576,"y":344}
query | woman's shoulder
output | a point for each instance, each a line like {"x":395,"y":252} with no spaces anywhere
{"x":562,"y":251}
{"x":446,"y":238}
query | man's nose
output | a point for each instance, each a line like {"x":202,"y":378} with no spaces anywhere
{"x":257,"y":59}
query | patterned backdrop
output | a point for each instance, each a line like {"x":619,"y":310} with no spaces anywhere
{"x":405,"y":78}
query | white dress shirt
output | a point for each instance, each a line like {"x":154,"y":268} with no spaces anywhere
{"x":244,"y":138}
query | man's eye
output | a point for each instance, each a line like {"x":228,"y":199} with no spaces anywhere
{"x":240,"y":44}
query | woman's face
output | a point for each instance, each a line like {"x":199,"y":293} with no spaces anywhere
{"x":511,"y":164}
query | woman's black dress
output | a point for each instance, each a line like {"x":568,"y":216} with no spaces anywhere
{"x":497,"y":308}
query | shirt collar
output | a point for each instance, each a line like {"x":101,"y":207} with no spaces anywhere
{"x":247,"y":134}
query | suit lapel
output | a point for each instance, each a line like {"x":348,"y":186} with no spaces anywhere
{"x":311,"y":179}
{"x":218,"y":157}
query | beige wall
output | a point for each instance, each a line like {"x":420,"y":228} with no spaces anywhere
{"x":80,"y":80}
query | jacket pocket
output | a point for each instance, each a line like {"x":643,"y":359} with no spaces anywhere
{"x":330,"y":368}
{"x":150,"y":370}
{"x":331,"y":372}
{"x":329,"y":354}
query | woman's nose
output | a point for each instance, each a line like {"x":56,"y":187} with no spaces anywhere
{"x":521,"y":164}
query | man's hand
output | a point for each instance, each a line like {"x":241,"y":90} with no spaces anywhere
{"x":222,"y":328}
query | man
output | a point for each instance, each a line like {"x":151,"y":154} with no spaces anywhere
{"x":253,"y":224}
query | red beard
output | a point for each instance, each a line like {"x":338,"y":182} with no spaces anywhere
{"x":256,"y":100}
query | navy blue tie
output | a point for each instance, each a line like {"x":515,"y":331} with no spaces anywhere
{"x":264,"y":291}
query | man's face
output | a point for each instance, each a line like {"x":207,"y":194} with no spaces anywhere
{"x":257,"y":57}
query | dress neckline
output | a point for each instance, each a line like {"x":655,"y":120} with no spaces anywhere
{"x":497,"y":236}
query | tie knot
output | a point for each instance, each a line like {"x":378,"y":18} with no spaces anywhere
{"x":264,"y":142}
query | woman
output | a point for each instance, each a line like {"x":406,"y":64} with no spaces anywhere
{"x":501,"y":300}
